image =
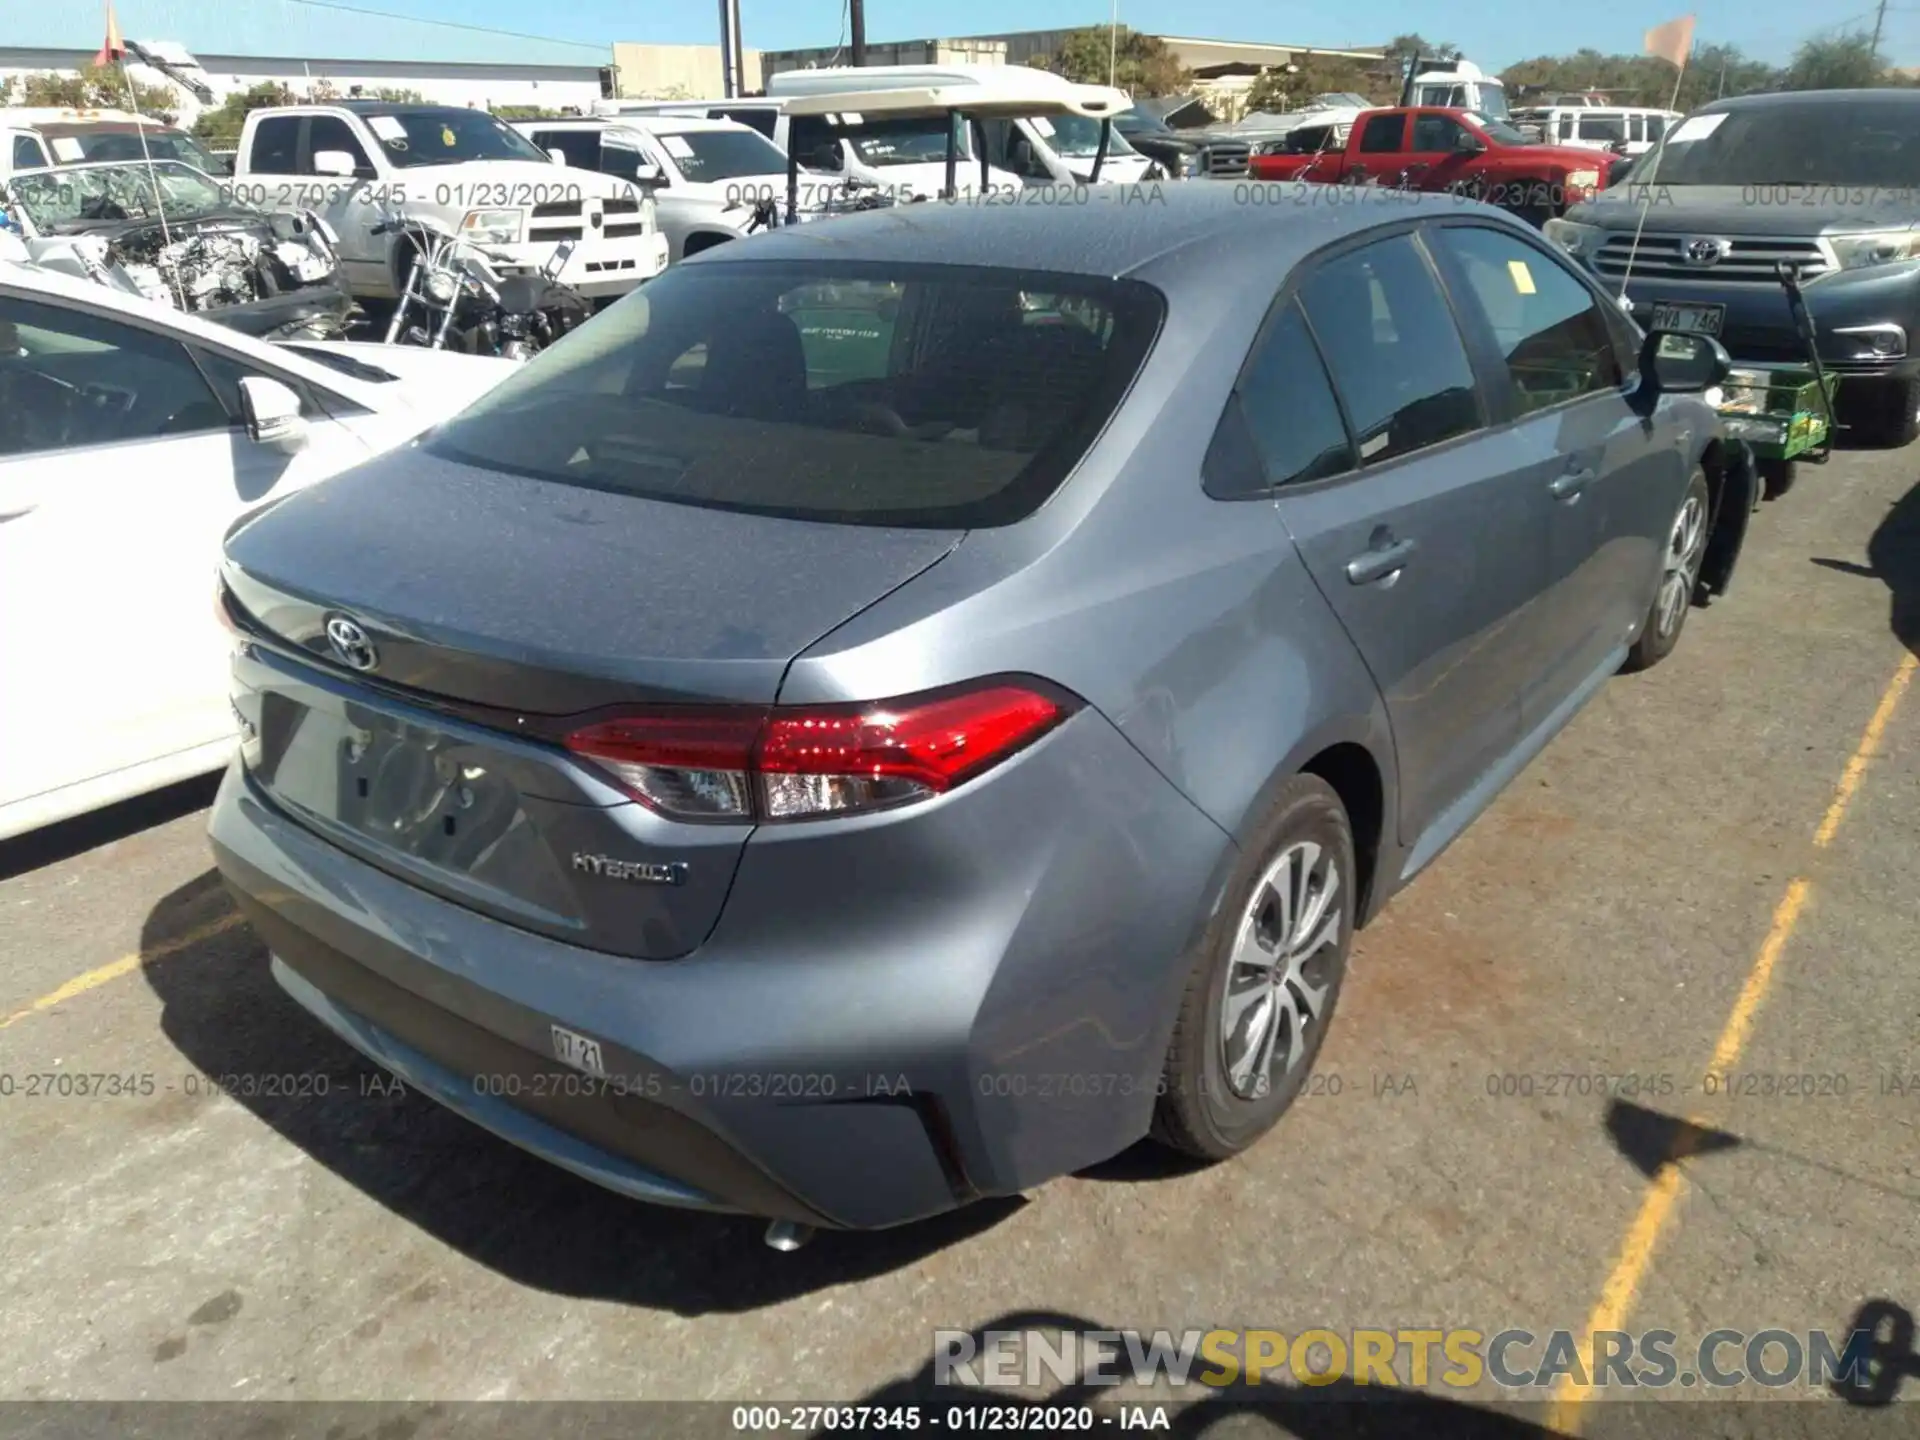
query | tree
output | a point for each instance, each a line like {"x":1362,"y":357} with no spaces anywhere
{"x":1840,"y":62}
{"x":98,"y":87}
{"x":1279,"y":90}
{"x":1404,"y":48}
{"x":1140,"y":64}
{"x":221,"y":127}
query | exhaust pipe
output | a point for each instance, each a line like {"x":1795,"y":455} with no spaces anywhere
{"x":788,"y":1235}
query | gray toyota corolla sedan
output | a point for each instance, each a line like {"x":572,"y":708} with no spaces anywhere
{"x":898,"y":710}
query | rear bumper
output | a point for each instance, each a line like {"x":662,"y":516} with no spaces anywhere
{"x":886,"y":1023}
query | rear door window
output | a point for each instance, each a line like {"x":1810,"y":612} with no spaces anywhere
{"x":1286,"y":405}
{"x":898,"y":394}
{"x":581,"y":147}
{"x":1397,"y":359}
{"x":1381,"y":134}
{"x":276,"y":146}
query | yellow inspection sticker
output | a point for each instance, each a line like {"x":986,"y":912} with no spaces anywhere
{"x":1522,"y":277}
{"x":447,"y":138}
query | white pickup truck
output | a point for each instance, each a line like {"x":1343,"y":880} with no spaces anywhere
{"x":460,"y":171}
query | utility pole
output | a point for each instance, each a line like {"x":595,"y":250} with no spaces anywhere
{"x":857,"y":30}
{"x":1879,"y":19}
{"x":729,"y":53}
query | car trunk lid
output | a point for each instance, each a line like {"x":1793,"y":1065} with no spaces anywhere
{"x":495,"y":611}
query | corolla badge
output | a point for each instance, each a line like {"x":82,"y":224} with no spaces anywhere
{"x":350,"y":644}
{"x":1703,"y":250}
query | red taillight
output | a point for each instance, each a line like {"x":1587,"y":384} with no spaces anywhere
{"x":803,"y":762}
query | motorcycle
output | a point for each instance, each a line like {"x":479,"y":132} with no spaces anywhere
{"x":456,"y":298}
{"x":853,"y":196}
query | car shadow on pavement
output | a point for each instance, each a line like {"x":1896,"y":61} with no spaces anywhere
{"x":1893,"y":558}
{"x":518,"y":1215}
{"x":62,"y":841}
{"x":1328,"y":1410}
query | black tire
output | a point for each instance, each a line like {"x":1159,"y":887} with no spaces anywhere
{"x":1201,"y":1110}
{"x":1660,"y":631}
{"x":1777,"y":477}
{"x":1881,"y":413}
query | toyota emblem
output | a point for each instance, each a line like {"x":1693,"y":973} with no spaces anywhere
{"x":350,"y":643}
{"x":1703,"y":250}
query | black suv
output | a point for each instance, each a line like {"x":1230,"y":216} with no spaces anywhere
{"x":1826,"y":181}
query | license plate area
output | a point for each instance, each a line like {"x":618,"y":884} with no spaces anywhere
{"x":1688,"y":318}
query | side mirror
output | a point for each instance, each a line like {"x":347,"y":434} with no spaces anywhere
{"x":1468,"y":143}
{"x":333,"y":162}
{"x":558,"y":157}
{"x":1676,"y":363}
{"x":272,"y":413}
{"x":648,"y":173}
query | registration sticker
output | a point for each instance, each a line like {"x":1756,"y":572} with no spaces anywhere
{"x":677,"y":146}
{"x":65,"y":147}
{"x":386,"y":127}
{"x":1522,"y":277}
{"x":578,"y":1052}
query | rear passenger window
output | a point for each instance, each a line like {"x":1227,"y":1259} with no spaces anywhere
{"x":1382,"y":134}
{"x":1396,"y":358}
{"x":1289,"y":409}
{"x":276,"y":146}
{"x":1549,"y":327}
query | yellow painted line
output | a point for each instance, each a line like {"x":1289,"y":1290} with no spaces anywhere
{"x":125,"y":965}
{"x":1663,"y":1196}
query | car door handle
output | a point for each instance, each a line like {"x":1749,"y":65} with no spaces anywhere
{"x":1379,"y":563}
{"x":1569,"y":485}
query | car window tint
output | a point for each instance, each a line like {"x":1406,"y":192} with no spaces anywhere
{"x":225,"y":373}
{"x":1289,"y":406}
{"x":882,"y":393}
{"x":276,"y":146}
{"x":70,"y":379}
{"x":1381,"y":134}
{"x":581,"y":147}
{"x":1549,"y":326}
{"x":758,"y":117}
{"x":1397,"y":359}
{"x":1433,"y":133}
{"x":27,"y":154}
{"x":330,"y":132}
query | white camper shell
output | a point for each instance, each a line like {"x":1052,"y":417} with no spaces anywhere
{"x":1042,"y":127}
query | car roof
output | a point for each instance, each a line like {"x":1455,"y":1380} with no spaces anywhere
{"x":1812,"y":98}
{"x":671,"y":123}
{"x":1120,"y":230}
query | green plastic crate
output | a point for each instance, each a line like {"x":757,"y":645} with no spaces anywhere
{"x":1776,"y":409}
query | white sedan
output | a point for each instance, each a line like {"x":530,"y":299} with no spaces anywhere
{"x":131,"y":438}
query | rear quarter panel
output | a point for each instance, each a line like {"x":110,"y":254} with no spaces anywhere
{"x":1190,"y":623}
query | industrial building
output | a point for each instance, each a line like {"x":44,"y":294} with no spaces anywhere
{"x":235,"y":47}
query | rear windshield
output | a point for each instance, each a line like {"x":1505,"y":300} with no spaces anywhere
{"x":1863,"y":143}
{"x":900,"y":395}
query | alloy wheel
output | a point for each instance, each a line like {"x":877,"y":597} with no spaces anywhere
{"x":1686,"y":543}
{"x":1277,"y":989}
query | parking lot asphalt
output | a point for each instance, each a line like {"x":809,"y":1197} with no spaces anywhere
{"x":1714,"y":865}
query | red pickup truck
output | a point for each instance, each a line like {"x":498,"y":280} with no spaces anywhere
{"x":1426,"y":148}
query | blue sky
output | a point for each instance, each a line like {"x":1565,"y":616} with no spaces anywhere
{"x":1495,"y":34}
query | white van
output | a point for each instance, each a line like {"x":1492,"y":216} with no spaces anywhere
{"x":1599,"y":127}
{"x":1042,"y":149}
{"x":904,"y":151}
{"x":902,"y":155}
